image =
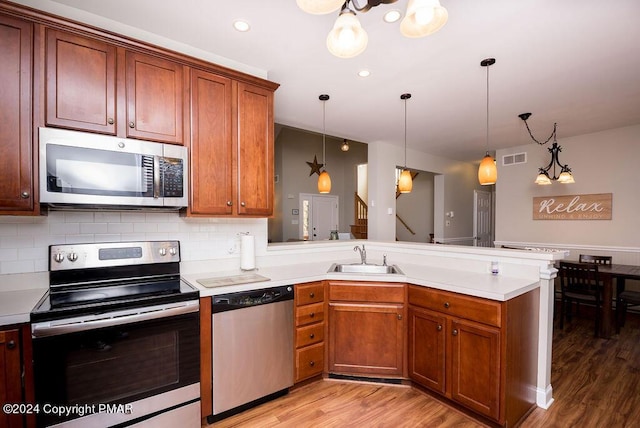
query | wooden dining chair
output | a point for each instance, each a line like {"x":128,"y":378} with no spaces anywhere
{"x":580,"y":282}
{"x":600,"y":260}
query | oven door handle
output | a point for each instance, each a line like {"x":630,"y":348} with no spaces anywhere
{"x":74,"y":325}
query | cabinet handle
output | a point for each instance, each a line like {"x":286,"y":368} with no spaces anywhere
{"x":242,"y":204}
{"x":312,"y":314}
{"x":229,"y":203}
{"x":11,"y":344}
{"x":312,"y":363}
{"x":24,"y":195}
{"x":110,"y":121}
{"x":311,"y":336}
{"x":455,"y":332}
{"x":132,"y":124}
{"x":312,"y":295}
{"x":399,"y":317}
{"x":439,"y":327}
{"x":446,"y":305}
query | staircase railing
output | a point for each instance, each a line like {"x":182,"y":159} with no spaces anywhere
{"x":361,"y":211}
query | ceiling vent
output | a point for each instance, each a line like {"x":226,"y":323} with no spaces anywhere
{"x":514,"y":159}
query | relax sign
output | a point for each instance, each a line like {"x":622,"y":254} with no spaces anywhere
{"x":573,"y":207}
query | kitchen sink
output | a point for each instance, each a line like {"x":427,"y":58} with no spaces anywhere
{"x":365,"y":268}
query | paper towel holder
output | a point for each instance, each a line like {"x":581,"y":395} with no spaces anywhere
{"x":247,"y":253}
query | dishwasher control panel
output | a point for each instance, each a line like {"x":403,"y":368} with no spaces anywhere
{"x":228,"y":302}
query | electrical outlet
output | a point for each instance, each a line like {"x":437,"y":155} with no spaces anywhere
{"x":447,"y":223}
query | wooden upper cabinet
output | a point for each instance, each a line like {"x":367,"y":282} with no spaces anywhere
{"x":80,"y":83}
{"x":155,"y":90}
{"x":16,"y":162}
{"x":211,"y":146}
{"x":255,"y":140}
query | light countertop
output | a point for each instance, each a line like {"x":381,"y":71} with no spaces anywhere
{"x":495,"y":287}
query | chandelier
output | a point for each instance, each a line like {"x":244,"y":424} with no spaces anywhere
{"x":543,"y":177}
{"x":348,"y":39}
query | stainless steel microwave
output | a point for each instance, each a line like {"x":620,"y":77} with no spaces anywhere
{"x":79,"y":169}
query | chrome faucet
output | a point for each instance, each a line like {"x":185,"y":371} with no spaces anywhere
{"x":363,"y":254}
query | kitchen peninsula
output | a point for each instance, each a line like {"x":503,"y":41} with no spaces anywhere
{"x":447,"y":270}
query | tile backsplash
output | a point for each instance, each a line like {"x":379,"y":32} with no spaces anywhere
{"x":24,"y":241}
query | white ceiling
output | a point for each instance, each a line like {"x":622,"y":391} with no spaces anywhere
{"x":574,"y":62}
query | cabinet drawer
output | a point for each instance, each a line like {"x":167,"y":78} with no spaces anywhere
{"x":309,"y":293}
{"x":309,"y":314}
{"x":309,"y":335}
{"x":458,"y":305}
{"x":358,"y":292}
{"x":309,"y":361}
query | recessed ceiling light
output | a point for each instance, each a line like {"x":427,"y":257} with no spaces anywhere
{"x":241,"y":25}
{"x":392,"y":16}
{"x":364,"y":73}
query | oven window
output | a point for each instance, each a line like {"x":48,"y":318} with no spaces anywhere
{"x":118,"y":364}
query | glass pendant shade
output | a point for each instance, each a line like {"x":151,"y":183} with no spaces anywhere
{"x":423,"y":17}
{"x":542,"y":179}
{"x":345,"y":146}
{"x":319,"y":7}
{"x":347,"y":38}
{"x":487,"y":173}
{"x":566,"y":178}
{"x":324,"y":182}
{"x":405,"y":184}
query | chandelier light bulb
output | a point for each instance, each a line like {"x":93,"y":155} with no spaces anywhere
{"x":347,"y":39}
{"x":319,"y":7}
{"x":423,"y":17}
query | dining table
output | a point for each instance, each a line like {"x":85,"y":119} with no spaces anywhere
{"x":610,"y":274}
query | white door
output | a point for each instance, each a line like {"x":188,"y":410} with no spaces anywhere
{"x":482,"y":218}
{"x":319,"y":216}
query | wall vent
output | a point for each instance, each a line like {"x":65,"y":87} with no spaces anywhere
{"x":514,"y":159}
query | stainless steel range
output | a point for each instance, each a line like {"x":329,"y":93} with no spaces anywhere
{"x":116,"y":338}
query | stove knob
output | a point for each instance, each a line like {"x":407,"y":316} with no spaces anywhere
{"x":173,"y":251}
{"x":72,"y":257}
{"x":59,"y":257}
{"x":163,"y":251}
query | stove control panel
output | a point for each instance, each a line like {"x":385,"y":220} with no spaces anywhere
{"x":80,"y":256}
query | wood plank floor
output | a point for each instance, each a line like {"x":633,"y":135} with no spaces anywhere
{"x":596,"y":383}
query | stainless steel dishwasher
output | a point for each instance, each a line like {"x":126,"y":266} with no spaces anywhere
{"x":252,"y":348}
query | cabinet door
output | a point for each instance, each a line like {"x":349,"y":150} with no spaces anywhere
{"x":211,"y":151}
{"x":475,"y":371}
{"x":155,"y":98}
{"x":366,"y":339}
{"x":16,"y":167}
{"x":10,"y":376}
{"x":427,"y":334}
{"x":255,"y":150}
{"x":81,"y":83}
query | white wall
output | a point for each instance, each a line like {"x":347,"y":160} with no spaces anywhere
{"x":416,"y":209}
{"x":603,"y":162}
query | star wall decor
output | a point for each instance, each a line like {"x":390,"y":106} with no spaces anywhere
{"x":315,"y":166}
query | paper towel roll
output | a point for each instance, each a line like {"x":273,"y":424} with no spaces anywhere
{"x":247,"y":252}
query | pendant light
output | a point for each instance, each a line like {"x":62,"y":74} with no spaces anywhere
{"x":405,"y":184}
{"x":324,"y":181}
{"x":345,"y":146}
{"x":347,"y":38}
{"x":487,"y":172}
{"x":423,"y":17}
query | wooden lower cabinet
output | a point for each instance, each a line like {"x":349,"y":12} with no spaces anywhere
{"x":310,"y":326}
{"x":366,"y":329}
{"x":486,"y":362}
{"x":16,"y":374}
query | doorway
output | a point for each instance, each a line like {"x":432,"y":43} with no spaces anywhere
{"x":320,"y":214}
{"x":482,"y":213}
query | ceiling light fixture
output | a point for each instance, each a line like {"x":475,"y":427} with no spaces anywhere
{"x":405,"y":183}
{"x":487,"y":172}
{"x":543,"y":178}
{"x":324,"y":181}
{"x":345,"y":146}
{"x":348,"y":39}
{"x":241,"y":25}
{"x":364,"y":73}
{"x":392,"y":16}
